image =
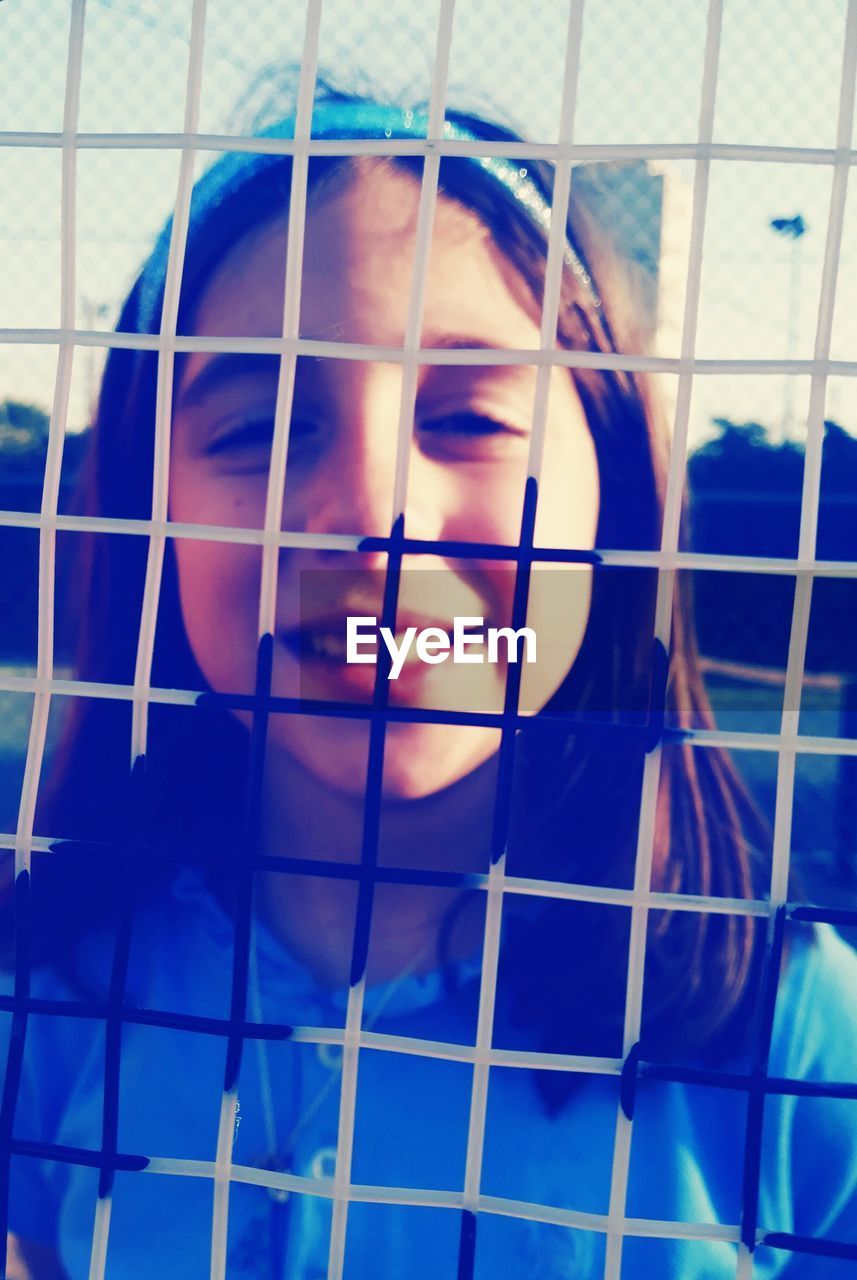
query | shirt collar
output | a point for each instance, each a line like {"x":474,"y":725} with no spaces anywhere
{"x":280,"y":970}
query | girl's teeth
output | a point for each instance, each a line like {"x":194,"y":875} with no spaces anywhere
{"x":334,"y":646}
{"x":331,"y":646}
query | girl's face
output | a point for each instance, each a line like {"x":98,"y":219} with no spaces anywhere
{"x":466,"y":468}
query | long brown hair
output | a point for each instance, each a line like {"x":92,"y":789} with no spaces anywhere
{"x":577,"y":798}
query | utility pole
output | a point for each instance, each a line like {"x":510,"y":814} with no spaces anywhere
{"x":793,"y":229}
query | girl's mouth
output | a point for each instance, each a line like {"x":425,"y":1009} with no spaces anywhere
{"x":309,"y":642}
{"x":316,"y":644}
{"x":325,"y":671}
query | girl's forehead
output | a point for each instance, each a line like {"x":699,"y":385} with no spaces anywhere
{"x":356,"y":281}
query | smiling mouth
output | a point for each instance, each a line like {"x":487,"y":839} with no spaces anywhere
{"x":304,"y":643}
{"x":330,"y":646}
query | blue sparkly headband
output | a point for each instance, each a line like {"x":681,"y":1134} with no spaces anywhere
{"x":342,"y":120}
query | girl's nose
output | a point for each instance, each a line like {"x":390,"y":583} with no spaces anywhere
{"x":352,"y":493}
{"x":350,"y":486}
{"x":358,"y":495}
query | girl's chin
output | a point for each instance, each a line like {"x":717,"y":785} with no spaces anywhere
{"x":418,"y":760}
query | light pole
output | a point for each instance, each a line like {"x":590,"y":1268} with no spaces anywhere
{"x":793,"y":229}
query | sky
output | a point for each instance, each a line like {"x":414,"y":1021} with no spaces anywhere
{"x":640,"y":74}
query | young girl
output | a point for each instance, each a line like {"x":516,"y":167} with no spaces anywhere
{"x":208,"y":937}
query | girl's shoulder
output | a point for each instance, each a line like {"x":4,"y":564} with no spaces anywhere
{"x":809,"y":1122}
{"x":815,"y":1024}
{"x":165,"y":945}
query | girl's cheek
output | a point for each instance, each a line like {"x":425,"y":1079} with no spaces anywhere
{"x":558,"y":612}
{"x":488,"y":504}
{"x":236,"y":502}
{"x":497,"y":588}
{"x":199,"y":494}
{"x":219,"y":590}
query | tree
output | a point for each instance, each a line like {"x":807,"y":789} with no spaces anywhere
{"x":746,"y":501}
{"x":23,"y":427}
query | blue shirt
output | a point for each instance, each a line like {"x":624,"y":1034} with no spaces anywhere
{"x":411,"y":1128}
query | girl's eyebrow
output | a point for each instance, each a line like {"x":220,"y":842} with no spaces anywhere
{"x":441,"y":341}
{"x":227,"y":367}
{"x":220,"y":371}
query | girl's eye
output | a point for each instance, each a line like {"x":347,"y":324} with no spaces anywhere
{"x":246,"y":436}
{"x":468,"y":434}
{"x":256,"y":435}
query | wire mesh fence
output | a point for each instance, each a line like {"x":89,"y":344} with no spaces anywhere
{"x":712,"y":147}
